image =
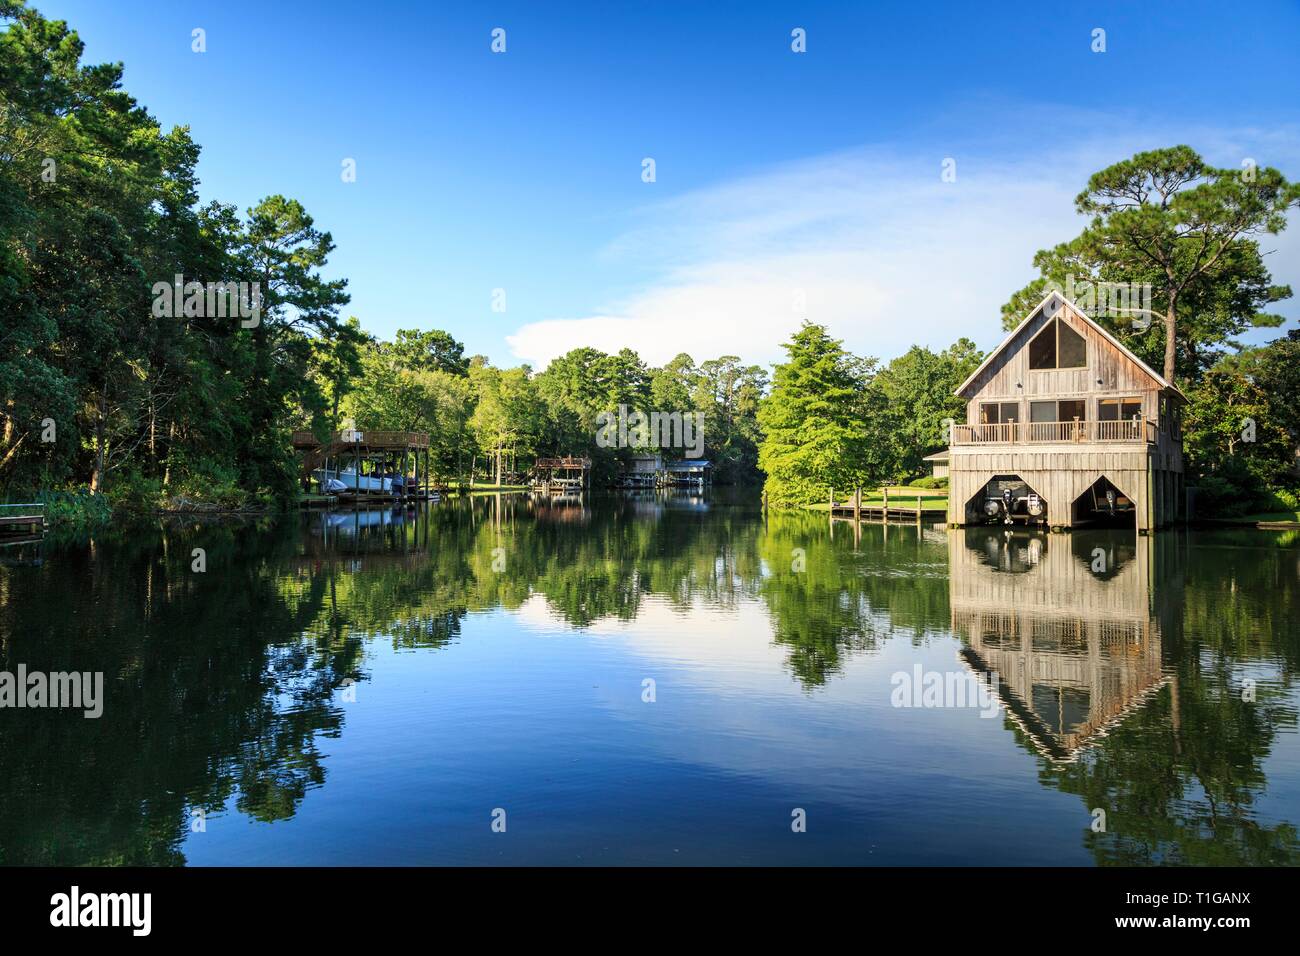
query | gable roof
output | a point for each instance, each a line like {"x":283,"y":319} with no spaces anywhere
{"x":1090,"y":322}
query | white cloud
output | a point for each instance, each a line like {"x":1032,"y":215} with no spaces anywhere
{"x":876,"y":246}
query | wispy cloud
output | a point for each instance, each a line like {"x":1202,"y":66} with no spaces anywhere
{"x":869,"y":242}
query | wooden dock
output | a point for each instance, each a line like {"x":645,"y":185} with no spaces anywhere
{"x":901,"y":503}
{"x":22,"y":520}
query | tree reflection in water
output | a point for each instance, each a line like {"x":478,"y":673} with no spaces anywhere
{"x":1122,"y":675}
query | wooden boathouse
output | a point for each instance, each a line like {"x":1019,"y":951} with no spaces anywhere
{"x":1065,"y":427}
{"x":692,"y":472}
{"x":564,"y":475}
{"x":641,"y":471}
{"x":366,"y":457}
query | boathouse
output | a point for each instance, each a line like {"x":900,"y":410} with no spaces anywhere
{"x":368,"y":463}
{"x":565,"y":475}
{"x":693,"y":472}
{"x":1065,"y":427}
{"x":641,"y":471}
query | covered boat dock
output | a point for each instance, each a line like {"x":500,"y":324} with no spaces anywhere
{"x":390,"y":464}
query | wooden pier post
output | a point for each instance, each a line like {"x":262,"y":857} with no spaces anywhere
{"x":857,"y":503}
{"x":884,"y":511}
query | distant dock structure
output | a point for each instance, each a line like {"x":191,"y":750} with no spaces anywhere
{"x":691,"y":472}
{"x":22,"y":522}
{"x":566,"y":475}
{"x":641,"y":471}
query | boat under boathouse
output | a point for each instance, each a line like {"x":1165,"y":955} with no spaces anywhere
{"x":1066,"y":427}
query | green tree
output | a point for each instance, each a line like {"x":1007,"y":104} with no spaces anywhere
{"x":284,"y":252}
{"x":728,"y":394}
{"x":1167,"y":218}
{"x":98,"y":204}
{"x":672,"y":387}
{"x":337,"y":364}
{"x":508,"y":417}
{"x":917,"y":397}
{"x":1234,"y":443}
{"x":425,"y":351}
{"x":1276,"y":369}
{"x":815,"y":421}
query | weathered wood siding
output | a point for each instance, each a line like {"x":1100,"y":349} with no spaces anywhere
{"x":1109,"y":374}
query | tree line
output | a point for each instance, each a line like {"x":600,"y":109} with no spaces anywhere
{"x":489,"y":423}
{"x":98,"y":206}
{"x":102,"y":392}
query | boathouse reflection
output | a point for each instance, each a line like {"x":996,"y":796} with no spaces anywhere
{"x":1066,"y":622}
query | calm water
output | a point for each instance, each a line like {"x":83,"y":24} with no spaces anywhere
{"x":362,"y":689}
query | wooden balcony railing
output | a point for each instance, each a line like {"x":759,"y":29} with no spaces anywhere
{"x":1126,"y":430}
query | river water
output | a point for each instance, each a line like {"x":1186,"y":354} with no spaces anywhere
{"x":652,"y":679}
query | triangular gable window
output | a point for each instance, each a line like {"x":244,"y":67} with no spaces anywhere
{"x":1058,"y":346}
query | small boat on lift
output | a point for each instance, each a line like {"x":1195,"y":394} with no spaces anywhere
{"x":351,"y":481}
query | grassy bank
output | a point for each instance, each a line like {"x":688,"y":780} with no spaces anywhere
{"x":1272,"y":519}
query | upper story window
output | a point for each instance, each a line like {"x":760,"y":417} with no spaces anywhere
{"x":1058,"y":346}
{"x":1119,"y":409}
{"x":999,"y":413}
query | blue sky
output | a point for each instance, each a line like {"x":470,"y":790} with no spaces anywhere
{"x":787,"y":185}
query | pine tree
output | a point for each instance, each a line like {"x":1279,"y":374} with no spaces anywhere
{"x":816,"y":421}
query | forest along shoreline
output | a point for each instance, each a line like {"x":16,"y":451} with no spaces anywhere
{"x":157,"y":351}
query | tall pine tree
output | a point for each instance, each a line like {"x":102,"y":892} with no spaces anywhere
{"x":816,"y":421}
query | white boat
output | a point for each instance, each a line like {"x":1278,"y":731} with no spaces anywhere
{"x":352,"y":481}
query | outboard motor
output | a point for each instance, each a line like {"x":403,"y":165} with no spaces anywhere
{"x":1035,"y":506}
{"x":1110,"y":500}
{"x":1007,"y":499}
